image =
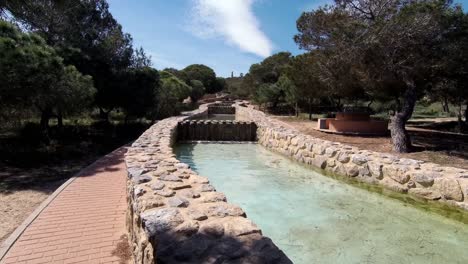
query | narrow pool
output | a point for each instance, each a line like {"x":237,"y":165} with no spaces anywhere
{"x":317,"y":219}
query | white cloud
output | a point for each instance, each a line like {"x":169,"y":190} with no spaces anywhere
{"x":234,"y":21}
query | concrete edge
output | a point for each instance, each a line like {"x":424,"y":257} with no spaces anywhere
{"x":13,"y":237}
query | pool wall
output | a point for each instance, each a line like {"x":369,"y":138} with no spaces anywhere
{"x":175,"y":215}
{"x":417,"y":178}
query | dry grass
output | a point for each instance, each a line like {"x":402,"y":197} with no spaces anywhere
{"x":123,"y":250}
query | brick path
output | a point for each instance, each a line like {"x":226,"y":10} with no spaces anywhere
{"x":85,"y":223}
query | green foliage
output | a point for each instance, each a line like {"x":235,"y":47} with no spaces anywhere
{"x":388,"y":50}
{"x":303,"y":72}
{"x":220,"y":84}
{"x":233,"y":85}
{"x":259,"y":83}
{"x":179,"y":74}
{"x":177,"y":87}
{"x":34,"y":76}
{"x":77,"y":91}
{"x":140,"y":59}
{"x":269,"y":94}
{"x":204,"y":74}
{"x":198,"y":90}
{"x":291,"y":92}
{"x":173,"y":92}
{"x":137,"y":91}
{"x":86,"y":35}
{"x":271,"y":68}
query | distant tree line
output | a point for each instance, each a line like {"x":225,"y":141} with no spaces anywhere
{"x":68,"y":57}
{"x":391,"y":51}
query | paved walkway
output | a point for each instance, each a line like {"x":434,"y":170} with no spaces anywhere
{"x":85,"y":223}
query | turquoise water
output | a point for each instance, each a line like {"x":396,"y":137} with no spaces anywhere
{"x":318,"y":219}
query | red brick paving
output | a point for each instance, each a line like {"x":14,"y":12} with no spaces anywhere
{"x":83,"y":224}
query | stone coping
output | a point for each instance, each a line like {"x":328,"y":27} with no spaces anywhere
{"x":176,"y":216}
{"x":418,"y":178}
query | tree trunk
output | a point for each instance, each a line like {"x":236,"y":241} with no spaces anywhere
{"x":44,"y":125}
{"x":466,"y":113}
{"x":45,"y":117}
{"x":60,"y":120}
{"x":310,"y":109}
{"x":445,"y":105}
{"x":400,"y":138}
{"x":103,"y":114}
{"x":369,"y":109}
{"x":461,"y":124}
{"x":297,"y":110}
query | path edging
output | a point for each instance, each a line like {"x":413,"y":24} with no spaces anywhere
{"x":13,"y":237}
{"x":8,"y":243}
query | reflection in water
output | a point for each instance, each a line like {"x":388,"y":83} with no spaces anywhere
{"x":317,"y":219}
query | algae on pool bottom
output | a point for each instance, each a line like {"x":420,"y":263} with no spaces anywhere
{"x":317,"y":219}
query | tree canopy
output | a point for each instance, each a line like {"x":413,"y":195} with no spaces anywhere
{"x":205,"y":75}
{"x":85,"y":35}
{"x":172,"y":93}
{"x":381,"y":49}
{"x":392,"y":51}
{"x":33,"y":76}
{"x":137,"y":90}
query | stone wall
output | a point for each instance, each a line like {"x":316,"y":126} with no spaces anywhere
{"x":418,"y":178}
{"x":176,"y":216}
{"x":221,"y":109}
{"x":216,"y":130}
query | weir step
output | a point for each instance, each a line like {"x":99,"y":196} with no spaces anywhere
{"x":216,"y":130}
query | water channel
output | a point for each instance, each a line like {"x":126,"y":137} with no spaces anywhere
{"x":317,"y":219}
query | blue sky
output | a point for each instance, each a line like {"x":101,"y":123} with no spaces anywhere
{"x":227,"y":35}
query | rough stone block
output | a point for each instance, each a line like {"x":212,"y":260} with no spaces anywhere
{"x":425,"y":193}
{"x":425,"y":178}
{"x":397,"y":172}
{"x":359,"y":159}
{"x":178,"y":202}
{"x":449,"y":188}
{"x":212,"y":197}
{"x":161,"y":220}
{"x":352,"y":170}
{"x":319,"y":161}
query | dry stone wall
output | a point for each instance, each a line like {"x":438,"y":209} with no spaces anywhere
{"x":223,"y":109}
{"x":176,"y":216}
{"x":418,"y":178}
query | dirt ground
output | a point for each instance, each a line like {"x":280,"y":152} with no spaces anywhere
{"x":15,"y":207}
{"x":23,"y":189}
{"x":444,"y":148}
